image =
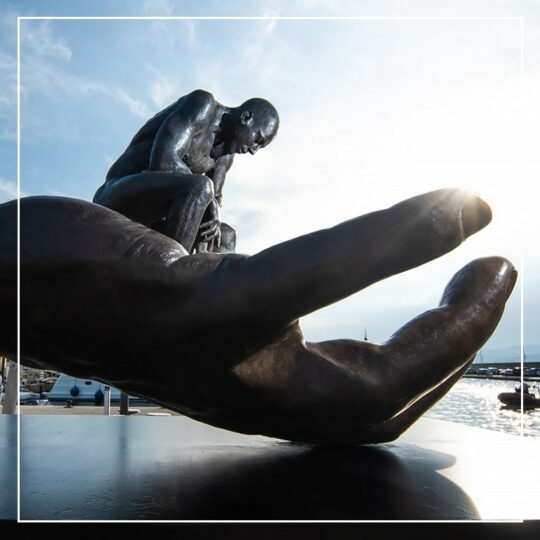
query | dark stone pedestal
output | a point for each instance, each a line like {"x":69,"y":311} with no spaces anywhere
{"x":172,"y":468}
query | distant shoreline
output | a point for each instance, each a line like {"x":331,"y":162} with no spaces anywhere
{"x":501,"y":377}
{"x":515,"y":363}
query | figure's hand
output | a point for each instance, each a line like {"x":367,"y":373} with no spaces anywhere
{"x":210,"y":229}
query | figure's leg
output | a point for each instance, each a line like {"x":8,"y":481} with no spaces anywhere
{"x":149,"y":197}
{"x":209,"y":230}
{"x":228,"y":239}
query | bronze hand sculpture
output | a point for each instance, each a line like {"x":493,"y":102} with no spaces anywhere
{"x":216,"y":336}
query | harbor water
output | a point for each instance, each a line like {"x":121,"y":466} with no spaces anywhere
{"x":474,"y":402}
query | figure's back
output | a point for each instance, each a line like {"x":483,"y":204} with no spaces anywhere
{"x":199,"y":106}
{"x":136,"y":156}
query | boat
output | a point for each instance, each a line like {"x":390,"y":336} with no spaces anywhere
{"x":25,"y":398}
{"x":71,"y":389}
{"x":513,"y":399}
{"x":28,"y":398}
{"x":67,"y":388}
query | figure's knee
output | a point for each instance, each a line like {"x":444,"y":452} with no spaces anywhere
{"x":195,"y":191}
{"x":203,"y":187}
{"x":109,"y":195}
{"x":98,"y":195}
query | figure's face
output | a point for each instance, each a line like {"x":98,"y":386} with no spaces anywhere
{"x":253,"y":133}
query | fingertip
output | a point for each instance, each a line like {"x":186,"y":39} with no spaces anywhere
{"x":487,"y":281}
{"x":475,"y":215}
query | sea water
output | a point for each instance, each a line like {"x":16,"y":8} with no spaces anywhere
{"x":474,"y":402}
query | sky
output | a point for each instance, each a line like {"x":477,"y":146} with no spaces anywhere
{"x":372,"y":111}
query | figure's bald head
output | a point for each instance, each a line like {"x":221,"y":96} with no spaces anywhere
{"x":263,"y":112}
{"x":257,"y":122}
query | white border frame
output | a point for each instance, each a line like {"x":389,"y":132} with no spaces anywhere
{"x":236,"y":18}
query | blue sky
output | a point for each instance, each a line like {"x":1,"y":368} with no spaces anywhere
{"x":372,"y":111}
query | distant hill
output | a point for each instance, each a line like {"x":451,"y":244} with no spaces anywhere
{"x":509,"y":354}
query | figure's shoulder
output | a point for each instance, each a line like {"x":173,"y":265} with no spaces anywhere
{"x":201,"y":94}
{"x":201,"y":98}
{"x":197,"y":105}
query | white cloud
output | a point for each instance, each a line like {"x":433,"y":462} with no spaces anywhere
{"x":192,"y":33}
{"x":266,"y":53}
{"x":313,"y":4}
{"x":39,"y":37}
{"x":8,"y":190}
{"x":210,"y":76}
{"x":40,"y":76}
{"x":8,"y":94}
{"x":7,"y":63}
{"x":4,"y":101}
{"x":134,"y":105}
{"x":163,"y":90}
{"x":7,"y":134}
{"x":271,"y":23}
{"x":155,"y":8}
{"x":109,"y":160}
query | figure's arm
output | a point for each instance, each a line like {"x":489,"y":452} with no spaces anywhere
{"x":222,"y":165}
{"x":173,"y":138}
{"x":211,"y":229}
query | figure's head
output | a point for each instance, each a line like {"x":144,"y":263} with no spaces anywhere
{"x":255,"y":124}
